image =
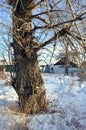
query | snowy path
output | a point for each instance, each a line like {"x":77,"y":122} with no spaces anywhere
{"x":66,"y":109}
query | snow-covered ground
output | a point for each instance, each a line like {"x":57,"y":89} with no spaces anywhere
{"x":66,"y":97}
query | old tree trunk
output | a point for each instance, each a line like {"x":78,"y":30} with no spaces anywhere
{"x":28,"y":82}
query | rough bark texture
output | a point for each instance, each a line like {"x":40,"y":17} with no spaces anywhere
{"x":28,"y":81}
{"x":29,"y":85}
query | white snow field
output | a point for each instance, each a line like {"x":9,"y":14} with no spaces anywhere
{"x":66,"y":97}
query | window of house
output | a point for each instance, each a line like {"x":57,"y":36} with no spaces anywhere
{"x":51,"y":69}
{"x":61,"y":66}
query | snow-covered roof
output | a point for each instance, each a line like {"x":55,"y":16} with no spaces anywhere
{"x":62,"y":61}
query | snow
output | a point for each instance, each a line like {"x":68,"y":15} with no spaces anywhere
{"x":66,"y":97}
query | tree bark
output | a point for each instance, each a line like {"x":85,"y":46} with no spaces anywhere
{"x":28,"y":82}
{"x":29,"y":85}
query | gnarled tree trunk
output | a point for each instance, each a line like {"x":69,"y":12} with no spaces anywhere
{"x":28,"y":81}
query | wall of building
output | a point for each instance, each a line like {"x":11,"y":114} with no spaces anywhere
{"x":60,"y":69}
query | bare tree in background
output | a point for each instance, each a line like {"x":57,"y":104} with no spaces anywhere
{"x":37,"y":24}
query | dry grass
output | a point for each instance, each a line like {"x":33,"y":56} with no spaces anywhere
{"x":22,"y":125}
{"x":6,"y":77}
{"x":19,"y":126}
{"x":2,"y":75}
{"x":15,"y":110}
{"x":7,"y":83}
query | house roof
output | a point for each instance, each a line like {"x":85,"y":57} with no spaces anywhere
{"x":62,"y":61}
